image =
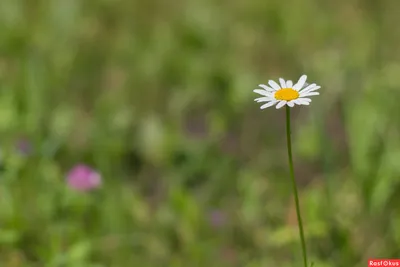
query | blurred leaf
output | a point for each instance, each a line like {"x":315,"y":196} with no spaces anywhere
{"x":79,"y":252}
{"x":9,"y":237}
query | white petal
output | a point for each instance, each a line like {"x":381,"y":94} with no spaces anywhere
{"x":264,"y":99}
{"x":282,"y":82}
{"x":304,"y":99}
{"x":262,"y":92}
{"x":267,"y":88}
{"x":307,"y":87}
{"x":269,"y":104}
{"x":281,"y":104}
{"x":290,"y":104}
{"x":310,"y":89}
{"x":289,"y":84}
{"x":300,"y":83}
{"x":274,"y":85}
{"x":300,"y":101}
{"x":309,"y":94}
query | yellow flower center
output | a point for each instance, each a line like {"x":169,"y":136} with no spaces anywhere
{"x":286,"y":94}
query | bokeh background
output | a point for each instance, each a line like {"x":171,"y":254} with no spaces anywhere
{"x":156,"y":96}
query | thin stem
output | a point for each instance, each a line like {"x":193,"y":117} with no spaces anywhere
{"x":295,"y":191}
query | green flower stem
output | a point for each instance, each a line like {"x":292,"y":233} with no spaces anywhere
{"x":295,"y":191}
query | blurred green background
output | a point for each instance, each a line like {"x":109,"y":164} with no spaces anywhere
{"x":157,"y":97}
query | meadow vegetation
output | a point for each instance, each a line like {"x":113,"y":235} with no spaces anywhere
{"x":156,"y":96}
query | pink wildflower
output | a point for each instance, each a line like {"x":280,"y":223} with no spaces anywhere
{"x":83,"y":178}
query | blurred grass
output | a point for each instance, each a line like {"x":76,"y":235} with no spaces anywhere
{"x":158,"y":97}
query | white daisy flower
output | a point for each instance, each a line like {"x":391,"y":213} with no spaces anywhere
{"x":286,"y":93}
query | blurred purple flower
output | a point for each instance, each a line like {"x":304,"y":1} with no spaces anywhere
{"x":83,"y":178}
{"x":24,"y":146}
{"x":217,"y":218}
